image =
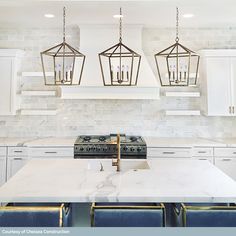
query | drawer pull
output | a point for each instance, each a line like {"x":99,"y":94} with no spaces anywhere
{"x":202,"y":152}
{"x":18,"y":159}
{"x":168,"y":153}
{"x":18,"y":151}
{"x":202,"y":159}
{"x":50,"y":152}
{"x":225,"y":159}
{"x":234,"y":153}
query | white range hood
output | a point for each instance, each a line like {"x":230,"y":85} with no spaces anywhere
{"x":97,"y":38}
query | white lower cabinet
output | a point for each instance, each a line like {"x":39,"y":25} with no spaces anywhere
{"x":16,"y":159}
{"x":162,"y":152}
{"x":3,"y":165}
{"x":14,"y":164}
{"x":227,"y":165}
{"x":51,"y":152}
{"x":210,"y":159}
{"x":203,"y":154}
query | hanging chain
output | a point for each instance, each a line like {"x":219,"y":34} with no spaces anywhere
{"x":120,"y":25}
{"x":64,"y":24}
{"x":177,"y":24}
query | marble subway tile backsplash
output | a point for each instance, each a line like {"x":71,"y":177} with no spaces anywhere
{"x":143,"y":117}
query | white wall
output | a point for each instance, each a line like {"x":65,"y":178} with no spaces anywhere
{"x":105,"y":116}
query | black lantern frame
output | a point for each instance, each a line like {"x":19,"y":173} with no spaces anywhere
{"x":66,"y":61}
{"x":119,"y":64}
{"x":179,"y":65}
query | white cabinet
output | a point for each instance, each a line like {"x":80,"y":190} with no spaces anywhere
{"x":218,"y":82}
{"x":9,"y":60}
{"x":51,"y":152}
{"x":203,"y":154}
{"x":16,"y":159}
{"x":225,"y":159}
{"x":227,"y":165}
{"x":210,"y":159}
{"x":162,"y":152}
{"x":14,"y":164}
{"x":3,"y":165}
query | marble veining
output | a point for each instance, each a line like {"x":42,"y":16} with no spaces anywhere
{"x":78,"y":181}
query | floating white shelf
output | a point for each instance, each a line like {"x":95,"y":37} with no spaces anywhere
{"x":32,"y":112}
{"x":35,"y":74}
{"x":183,"y":112}
{"x":106,"y":92}
{"x":39,"y":93}
{"x":182,"y":94}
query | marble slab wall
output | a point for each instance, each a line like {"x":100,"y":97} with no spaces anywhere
{"x":143,"y":117}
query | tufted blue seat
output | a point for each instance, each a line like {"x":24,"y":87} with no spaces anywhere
{"x":128,"y":215}
{"x":35,"y":215}
{"x":204,"y":215}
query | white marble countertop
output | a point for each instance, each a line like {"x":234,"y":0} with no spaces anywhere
{"x":52,"y":142}
{"x":9,"y":142}
{"x":229,"y":142}
{"x":81,"y":181}
{"x":183,"y":142}
{"x":151,"y":142}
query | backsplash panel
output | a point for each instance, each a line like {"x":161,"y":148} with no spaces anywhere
{"x":143,"y":117}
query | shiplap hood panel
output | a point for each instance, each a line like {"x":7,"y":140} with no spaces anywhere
{"x":95,"y":39}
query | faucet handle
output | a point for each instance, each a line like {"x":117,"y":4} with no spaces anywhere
{"x":101,"y":167}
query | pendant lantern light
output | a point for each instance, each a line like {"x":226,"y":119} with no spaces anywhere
{"x":177,"y":65}
{"x":65,"y":61}
{"x":119,"y":64}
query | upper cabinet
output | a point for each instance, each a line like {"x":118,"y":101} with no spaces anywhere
{"x":9,"y":62}
{"x":218,"y":82}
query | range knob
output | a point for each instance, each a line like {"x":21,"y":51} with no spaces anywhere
{"x":131,"y":149}
{"x":88,"y":149}
{"x":98,"y":149}
{"x":105,"y":149}
{"x":81,"y":149}
{"x":125,"y":148}
{"x":139,"y":149}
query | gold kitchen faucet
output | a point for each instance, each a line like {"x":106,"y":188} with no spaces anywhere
{"x":117,"y":161}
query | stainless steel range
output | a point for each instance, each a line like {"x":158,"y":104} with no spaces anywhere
{"x":104,"y":146}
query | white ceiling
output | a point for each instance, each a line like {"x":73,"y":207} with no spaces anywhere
{"x":159,"y":13}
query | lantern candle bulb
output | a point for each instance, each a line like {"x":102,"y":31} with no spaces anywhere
{"x":59,"y":72}
{"x":122,"y":72}
{"x":112,"y":72}
{"x":127,"y":72}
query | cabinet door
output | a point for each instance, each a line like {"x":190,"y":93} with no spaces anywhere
{"x":233,"y":85}
{"x":3,"y":166}
{"x":14,"y":164}
{"x":218,"y":86}
{"x":6,"y":68}
{"x":227,"y":165}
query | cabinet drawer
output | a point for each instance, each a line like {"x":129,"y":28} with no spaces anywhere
{"x":169,"y":152}
{"x":206,"y":158}
{"x":3,"y":151}
{"x":51,"y":152}
{"x":225,"y":152}
{"x":17,"y":151}
{"x":203,"y":152}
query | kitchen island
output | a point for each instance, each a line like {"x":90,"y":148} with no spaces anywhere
{"x":150,"y":180}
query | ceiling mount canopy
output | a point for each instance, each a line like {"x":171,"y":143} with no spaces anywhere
{"x":119,"y":64}
{"x":177,"y":65}
{"x":65,"y":61}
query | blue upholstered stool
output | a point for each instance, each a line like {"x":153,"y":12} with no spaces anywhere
{"x":205,"y":215}
{"x":128,"y":215}
{"x":35,"y":215}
